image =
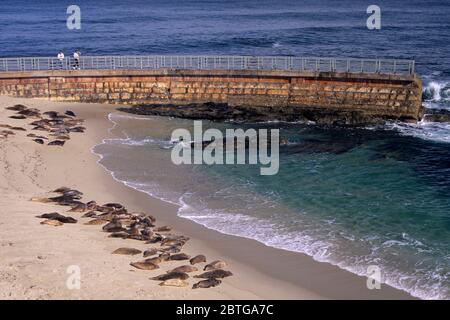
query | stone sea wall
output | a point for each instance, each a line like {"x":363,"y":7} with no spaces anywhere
{"x":282,"y":93}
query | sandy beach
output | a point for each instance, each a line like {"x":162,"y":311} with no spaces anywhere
{"x":35,"y":258}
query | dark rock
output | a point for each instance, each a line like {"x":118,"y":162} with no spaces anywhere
{"x":223,"y":111}
{"x":436,"y":115}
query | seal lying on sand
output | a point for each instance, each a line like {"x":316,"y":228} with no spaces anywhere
{"x":114,"y":226}
{"x":185,"y":269}
{"x":17,"y":107}
{"x":157,"y":260}
{"x":95,"y":222}
{"x":174,"y":283}
{"x":150,"y":252}
{"x":54,"y":223}
{"x":209,"y":283}
{"x":144,"y":265}
{"x":218,"y":264}
{"x":180,"y":256}
{"x":58,"y":217}
{"x":127,"y":251}
{"x":40,"y":141}
{"x":57,"y":143}
{"x":89,"y":214}
{"x":171,"y":275}
{"x":198,"y":259}
{"x":218,"y":273}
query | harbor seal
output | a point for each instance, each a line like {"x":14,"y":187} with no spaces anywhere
{"x":180,"y":256}
{"x":174,"y":283}
{"x":198,"y":259}
{"x":150,"y":252}
{"x":51,"y":222}
{"x":121,"y":234}
{"x":113,"y":226}
{"x":171,"y":249}
{"x":142,"y":265}
{"x":89,"y":214}
{"x":92,"y":205}
{"x":18,"y":117}
{"x":171,"y":275}
{"x":95,"y":222}
{"x":61,"y":190}
{"x":57,"y":216}
{"x":81,"y":208}
{"x":57,"y":143}
{"x":116,"y":206}
{"x":157,"y":260}
{"x":209,"y":283}
{"x":17,"y":107}
{"x":39,"y":141}
{"x":70,"y":113}
{"x":185,"y":269}
{"x":218,"y":264}
{"x":218,"y":273}
{"x":127,"y":251}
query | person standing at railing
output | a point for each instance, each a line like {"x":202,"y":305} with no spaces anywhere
{"x":61,"y":59}
{"x":76,"y":57}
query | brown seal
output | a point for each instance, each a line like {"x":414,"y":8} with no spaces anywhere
{"x":54,"y":223}
{"x":57,"y":143}
{"x":209,"y":283}
{"x":171,"y":275}
{"x":180,"y":256}
{"x":57,"y":216}
{"x":150,"y":252}
{"x":185,"y":269}
{"x":198,"y":259}
{"x":144,"y":265}
{"x":96,"y":222}
{"x":127,"y":251}
{"x":174,"y":283}
{"x":218,"y":273}
{"x":218,"y":264}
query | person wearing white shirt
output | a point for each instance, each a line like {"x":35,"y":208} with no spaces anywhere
{"x":61,"y":59}
{"x":76,"y":57}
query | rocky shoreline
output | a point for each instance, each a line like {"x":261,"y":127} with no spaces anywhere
{"x":223,"y":111}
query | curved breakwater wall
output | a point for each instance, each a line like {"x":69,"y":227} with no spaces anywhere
{"x":397,"y":97}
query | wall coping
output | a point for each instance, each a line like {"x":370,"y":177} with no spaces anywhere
{"x":205,"y":73}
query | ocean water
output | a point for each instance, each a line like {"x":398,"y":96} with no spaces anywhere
{"x":351,"y":197}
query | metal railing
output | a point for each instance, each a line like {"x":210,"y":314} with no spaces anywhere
{"x":282,"y":63}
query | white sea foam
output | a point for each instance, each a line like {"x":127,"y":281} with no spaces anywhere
{"x":433,"y":131}
{"x":426,"y":284}
{"x":437,"y":91}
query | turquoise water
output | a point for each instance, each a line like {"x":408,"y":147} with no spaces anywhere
{"x":350,"y":197}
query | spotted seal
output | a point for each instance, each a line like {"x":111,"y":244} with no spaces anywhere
{"x":209,"y":283}
{"x":198,"y":259}
{"x":218,"y":264}
{"x":218,"y":273}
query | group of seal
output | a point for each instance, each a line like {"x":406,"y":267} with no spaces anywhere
{"x":118,"y":222}
{"x":58,"y":126}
